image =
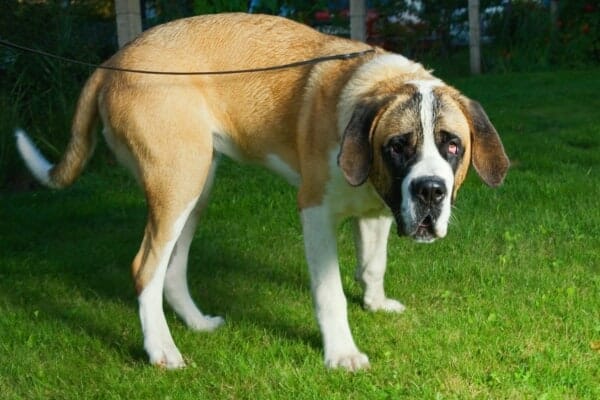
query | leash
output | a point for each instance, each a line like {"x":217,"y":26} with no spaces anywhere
{"x":295,"y":64}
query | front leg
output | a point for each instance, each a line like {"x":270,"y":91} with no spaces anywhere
{"x":328,"y":296}
{"x":371,"y":235}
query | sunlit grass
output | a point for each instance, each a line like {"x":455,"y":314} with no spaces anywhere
{"x":506,"y":306}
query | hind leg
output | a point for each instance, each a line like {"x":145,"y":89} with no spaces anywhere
{"x":174,"y":164}
{"x":176,"y":288}
{"x":150,"y":266}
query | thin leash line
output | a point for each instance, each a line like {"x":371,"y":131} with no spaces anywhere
{"x":316,"y":60}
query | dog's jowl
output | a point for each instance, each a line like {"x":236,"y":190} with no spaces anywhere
{"x":375,"y":138}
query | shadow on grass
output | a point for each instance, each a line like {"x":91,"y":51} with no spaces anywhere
{"x":75,"y":256}
{"x":253,"y":291}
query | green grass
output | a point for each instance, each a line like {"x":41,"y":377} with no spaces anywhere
{"x":506,"y":306}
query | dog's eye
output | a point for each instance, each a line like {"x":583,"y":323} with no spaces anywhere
{"x":450,"y":145}
{"x":398,"y":144}
{"x":398,"y":151}
{"x":453,"y":148}
{"x":396,"y":147}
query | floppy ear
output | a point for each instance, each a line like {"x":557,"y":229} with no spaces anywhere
{"x":356,"y":152}
{"x":488,"y":156}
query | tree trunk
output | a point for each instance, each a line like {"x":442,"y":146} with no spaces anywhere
{"x":474,"y":37}
{"x":129,"y":20}
{"x":358,"y":20}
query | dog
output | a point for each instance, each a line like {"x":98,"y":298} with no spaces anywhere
{"x":375,"y":137}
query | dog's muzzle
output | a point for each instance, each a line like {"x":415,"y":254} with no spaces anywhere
{"x":427,"y":200}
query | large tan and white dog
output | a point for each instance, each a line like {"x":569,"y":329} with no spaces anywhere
{"x":376,"y":138}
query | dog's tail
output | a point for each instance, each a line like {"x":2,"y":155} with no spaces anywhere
{"x":80,"y":147}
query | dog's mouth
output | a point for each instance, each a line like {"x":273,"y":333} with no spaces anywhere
{"x":425,"y":231}
{"x":422,"y":230}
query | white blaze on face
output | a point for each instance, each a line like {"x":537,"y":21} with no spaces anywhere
{"x":430,"y":162}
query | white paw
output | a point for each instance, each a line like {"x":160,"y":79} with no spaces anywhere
{"x":165,"y":356}
{"x":205,"y":323}
{"x":386,"y":304}
{"x":349,"y":361}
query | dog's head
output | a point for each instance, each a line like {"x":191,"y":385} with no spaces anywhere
{"x":414,"y":144}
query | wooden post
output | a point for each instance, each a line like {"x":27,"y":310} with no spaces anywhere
{"x":553,"y":12}
{"x":358,"y":20}
{"x":129,"y":20}
{"x":474,"y":37}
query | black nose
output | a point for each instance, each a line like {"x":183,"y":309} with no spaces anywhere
{"x":429,"y":190}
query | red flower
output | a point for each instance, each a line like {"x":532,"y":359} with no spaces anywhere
{"x":322,"y":16}
{"x":585,"y":28}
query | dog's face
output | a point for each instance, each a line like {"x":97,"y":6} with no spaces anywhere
{"x":415,"y":146}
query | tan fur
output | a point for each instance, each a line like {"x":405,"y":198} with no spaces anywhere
{"x":164,"y":128}
{"x":391,"y":124}
{"x":83,"y":140}
{"x":452,"y":119}
{"x":166,"y":122}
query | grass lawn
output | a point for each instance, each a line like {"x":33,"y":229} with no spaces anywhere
{"x":507,"y":306}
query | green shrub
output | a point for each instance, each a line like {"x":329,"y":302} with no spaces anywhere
{"x":39,"y":93}
{"x":578,"y":33}
{"x":522,"y":36}
{"x":215,"y":6}
{"x":529,"y":37}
